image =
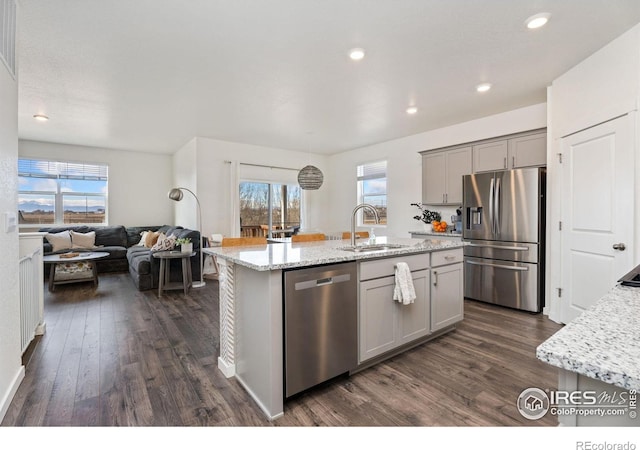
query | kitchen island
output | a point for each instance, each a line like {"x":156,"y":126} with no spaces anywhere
{"x":600,"y":352}
{"x":251,"y":303}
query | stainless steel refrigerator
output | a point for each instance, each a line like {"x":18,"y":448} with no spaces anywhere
{"x":503,"y":219}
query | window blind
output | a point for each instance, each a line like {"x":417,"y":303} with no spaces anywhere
{"x":62,"y":170}
{"x":373,"y":170}
{"x":274,"y":175}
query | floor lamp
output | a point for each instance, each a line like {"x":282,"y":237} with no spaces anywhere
{"x":176,"y":194}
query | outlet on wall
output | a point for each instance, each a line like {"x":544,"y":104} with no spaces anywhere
{"x":10,"y":222}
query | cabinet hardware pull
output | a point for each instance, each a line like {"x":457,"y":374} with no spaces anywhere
{"x":435,"y":278}
{"x":513,"y":162}
{"x":505,"y":162}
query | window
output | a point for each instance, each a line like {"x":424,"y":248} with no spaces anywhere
{"x":269,"y":209}
{"x":372,"y":189}
{"x":53,"y":192}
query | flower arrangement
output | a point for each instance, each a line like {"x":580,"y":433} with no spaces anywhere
{"x":426,"y":215}
{"x":181,"y":241}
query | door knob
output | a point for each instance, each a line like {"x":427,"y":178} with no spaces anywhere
{"x":619,"y":246}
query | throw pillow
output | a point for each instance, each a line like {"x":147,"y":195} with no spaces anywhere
{"x":152,"y":238}
{"x":59,"y":241}
{"x":83,"y":240}
{"x":164,"y":244}
{"x":143,"y":238}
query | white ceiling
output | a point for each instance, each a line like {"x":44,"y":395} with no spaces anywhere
{"x":149,"y":75}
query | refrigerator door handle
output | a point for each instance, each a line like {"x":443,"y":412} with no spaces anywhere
{"x":500,"y":247}
{"x":491,"y":205}
{"x":499,"y":266}
{"x":496,"y":209}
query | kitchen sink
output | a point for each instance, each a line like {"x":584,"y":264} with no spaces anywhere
{"x":371,"y":247}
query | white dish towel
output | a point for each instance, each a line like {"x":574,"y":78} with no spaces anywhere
{"x":404,"y":292}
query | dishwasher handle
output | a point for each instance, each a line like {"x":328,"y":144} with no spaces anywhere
{"x":319,"y":282}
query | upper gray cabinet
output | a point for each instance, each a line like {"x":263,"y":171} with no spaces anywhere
{"x":521,"y":151}
{"x":442,"y":175}
{"x":443,"y":168}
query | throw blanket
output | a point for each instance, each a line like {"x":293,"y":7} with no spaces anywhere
{"x":404,"y":292}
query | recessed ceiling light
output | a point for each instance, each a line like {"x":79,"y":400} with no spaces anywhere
{"x":40,"y":117}
{"x":412,"y":110}
{"x":356,"y":54}
{"x":537,"y":20}
{"x":484,"y":87}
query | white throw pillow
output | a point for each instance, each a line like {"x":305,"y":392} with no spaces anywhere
{"x":164,"y":244}
{"x":83,"y":240}
{"x":59,"y":241}
{"x":143,"y":239}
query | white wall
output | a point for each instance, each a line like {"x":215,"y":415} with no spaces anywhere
{"x":11,"y":370}
{"x":185,"y":175}
{"x":603,"y":86}
{"x":404,"y":180}
{"x":213,"y":178}
{"x":138,"y":182}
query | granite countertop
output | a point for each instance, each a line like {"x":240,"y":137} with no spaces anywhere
{"x":436,"y":233}
{"x":288,"y":255}
{"x":602,"y":343}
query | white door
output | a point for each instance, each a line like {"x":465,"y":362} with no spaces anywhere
{"x":597,"y":213}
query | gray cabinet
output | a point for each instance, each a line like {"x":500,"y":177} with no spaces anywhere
{"x":529,"y":150}
{"x":442,"y":175}
{"x":490,"y":156}
{"x":447,"y":296}
{"x":384,"y":323}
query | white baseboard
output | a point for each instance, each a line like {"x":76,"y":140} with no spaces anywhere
{"x":11,"y":392}
{"x":261,"y":405}
{"x":41,"y":329}
{"x":228,"y":370}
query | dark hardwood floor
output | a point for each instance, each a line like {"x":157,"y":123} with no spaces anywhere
{"x":113,"y":356}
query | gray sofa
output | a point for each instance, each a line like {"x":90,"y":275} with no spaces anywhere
{"x":125,"y":255}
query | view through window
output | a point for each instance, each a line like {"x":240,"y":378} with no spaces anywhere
{"x":372,"y":189}
{"x":54,"y":192}
{"x":262,"y":204}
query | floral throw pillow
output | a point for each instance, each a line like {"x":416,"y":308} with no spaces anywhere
{"x":164,"y":244}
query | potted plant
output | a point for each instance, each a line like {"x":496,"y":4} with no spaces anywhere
{"x":186,"y":246}
{"x":426,"y":216}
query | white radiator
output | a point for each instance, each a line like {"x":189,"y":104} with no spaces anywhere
{"x":30,"y":286}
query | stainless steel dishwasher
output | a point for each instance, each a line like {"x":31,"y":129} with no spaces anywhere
{"x":320,"y":324}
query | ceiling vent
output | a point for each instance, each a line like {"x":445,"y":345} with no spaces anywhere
{"x":8,"y":35}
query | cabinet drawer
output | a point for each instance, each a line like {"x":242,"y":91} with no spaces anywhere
{"x":386,"y":267}
{"x":444,"y":257}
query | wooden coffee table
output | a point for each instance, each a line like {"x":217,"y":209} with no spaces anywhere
{"x":88,"y":257}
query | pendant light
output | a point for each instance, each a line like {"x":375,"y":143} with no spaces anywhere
{"x":310,"y":177}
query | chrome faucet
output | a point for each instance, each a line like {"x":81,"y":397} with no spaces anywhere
{"x":353,"y":219}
